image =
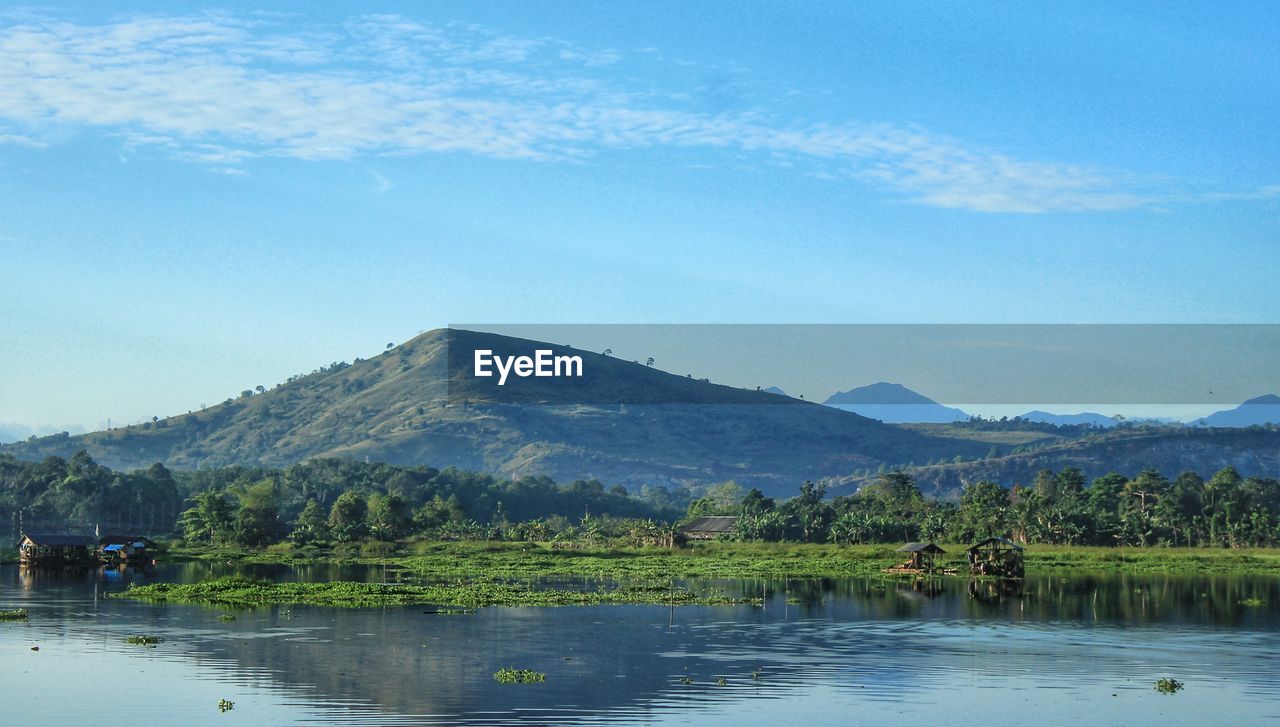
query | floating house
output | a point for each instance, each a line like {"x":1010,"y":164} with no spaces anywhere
{"x":126,"y":548}
{"x":998,"y":557}
{"x":709,"y":527}
{"x":920,"y":558}
{"x":43,"y":549}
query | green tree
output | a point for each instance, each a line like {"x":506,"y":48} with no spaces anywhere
{"x":210,"y":519}
{"x":389,"y":517}
{"x":983,"y":508}
{"x":347,"y":518}
{"x":311,"y":526}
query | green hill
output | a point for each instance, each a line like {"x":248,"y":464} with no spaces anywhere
{"x":397,"y":408}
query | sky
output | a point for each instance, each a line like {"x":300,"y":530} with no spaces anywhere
{"x":197,"y":199}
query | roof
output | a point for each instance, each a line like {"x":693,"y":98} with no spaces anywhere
{"x":114,"y":539}
{"x":57,"y":539}
{"x":113,"y":548}
{"x":996,"y":542}
{"x":921,"y":548}
{"x":711,"y":524}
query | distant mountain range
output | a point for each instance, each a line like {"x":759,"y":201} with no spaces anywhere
{"x":1253,"y":452}
{"x":894,"y":404}
{"x":1260,"y":410}
{"x":1088,"y":417}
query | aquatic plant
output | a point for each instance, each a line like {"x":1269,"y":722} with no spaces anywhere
{"x":1168,"y":685}
{"x":686,"y":680}
{"x":1253,"y":602}
{"x":720,"y":681}
{"x":144,"y":640}
{"x":18,"y":614}
{"x":226,"y":618}
{"x":515,"y":560}
{"x":226,"y":705}
{"x":243,"y":592}
{"x":519,"y":676}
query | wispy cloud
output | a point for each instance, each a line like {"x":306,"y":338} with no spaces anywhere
{"x":20,"y":140}
{"x":222,"y":90}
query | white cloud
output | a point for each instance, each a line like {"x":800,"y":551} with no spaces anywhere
{"x":221,"y":90}
{"x":20,"y":140}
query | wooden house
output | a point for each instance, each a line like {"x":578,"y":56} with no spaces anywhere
{"x":44,"y":549}
{"x":998,"y":557}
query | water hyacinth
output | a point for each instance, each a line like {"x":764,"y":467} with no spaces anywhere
{"x":245,"y":592}
{"x":519,"y":676}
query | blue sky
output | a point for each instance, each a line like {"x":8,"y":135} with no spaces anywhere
{"x":196,"y":199}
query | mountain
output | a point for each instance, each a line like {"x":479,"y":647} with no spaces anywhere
{"x":776,"y":390}
{"x":404,"y":407}
{"x":1254,"y":452}
{"x":1260,"y":410}
{"x":1088,"y":417}
{"x":895,"y":404}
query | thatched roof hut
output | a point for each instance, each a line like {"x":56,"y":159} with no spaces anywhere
{"x":921,"y":558}
{"x":998,"y":557}
{"x":709,"y":527}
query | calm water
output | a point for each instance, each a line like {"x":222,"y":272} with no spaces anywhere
{"x":849,"y":651}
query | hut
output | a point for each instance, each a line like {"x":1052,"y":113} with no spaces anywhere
{"x":998,"y":557}
{"x":44,"y":549}
{"x":921,"y":558}
{"x":126,"y":548}
{"x":709,"y":527}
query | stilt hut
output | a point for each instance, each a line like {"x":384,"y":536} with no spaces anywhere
{"x":41,"y":549}
{"x":920,"y":558}
{"x":709,"y":528}
{"x":998,"y":557}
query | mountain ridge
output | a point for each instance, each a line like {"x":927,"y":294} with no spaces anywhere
{"x":406,"y":406}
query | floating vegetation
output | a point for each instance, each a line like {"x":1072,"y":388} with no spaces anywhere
{"x":519,"y":676}
{"x":1253,"y":602}
{"x":686,"y":680}
{"x":720,"y":681}
{"x":144,"y":640}
{"x":245,"y":592}
{"x":1168,"y":685}
{"x":18,"y":614}
{"x":447,"y":611}
{"x":756,"y":674}
{"x":226,"y":618}
{"x":226,"y":705}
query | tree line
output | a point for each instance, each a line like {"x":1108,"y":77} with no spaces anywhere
{"x":328,"y":501}
{"x":1061,"y":508}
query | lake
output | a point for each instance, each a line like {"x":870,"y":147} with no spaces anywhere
{"x":1075,"y":648}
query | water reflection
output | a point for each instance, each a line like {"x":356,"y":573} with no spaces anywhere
{"x":885,"y":647}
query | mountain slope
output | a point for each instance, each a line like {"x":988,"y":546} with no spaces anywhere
{"x":894,"y":403}
{"x":401,"y":407}
{"x":1259,"y":410}
{"x":1254,"y":452}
